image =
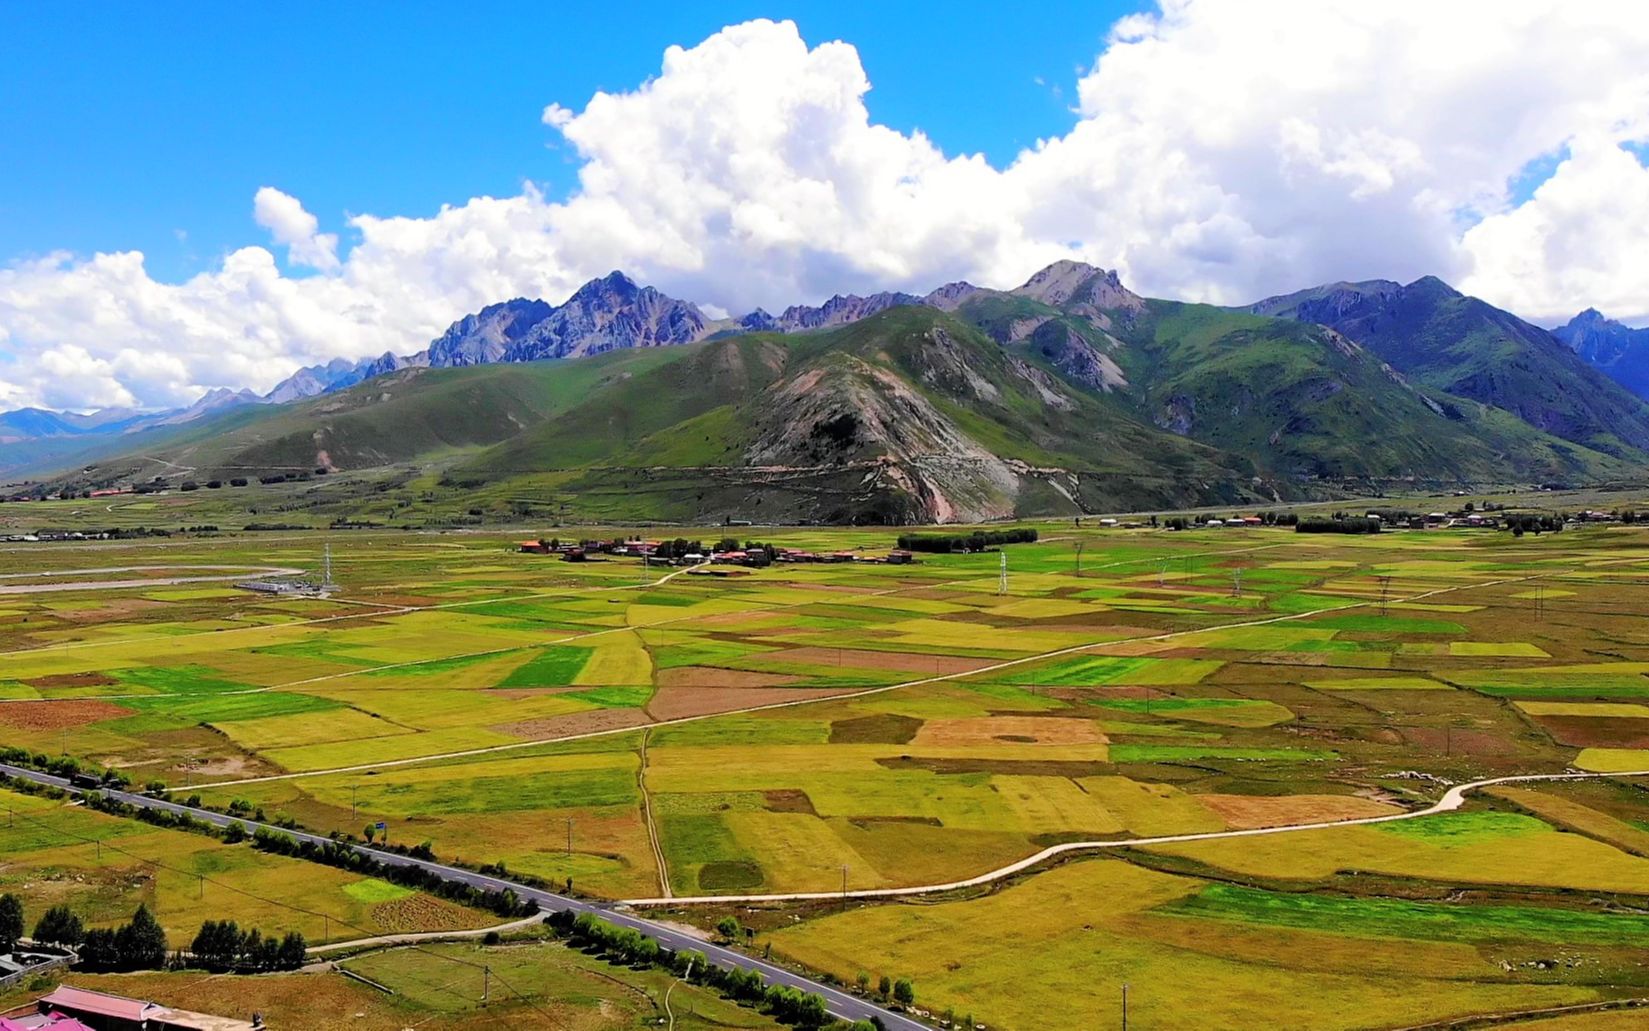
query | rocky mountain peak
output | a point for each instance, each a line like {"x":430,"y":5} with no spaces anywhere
{"x":1068,"y":284}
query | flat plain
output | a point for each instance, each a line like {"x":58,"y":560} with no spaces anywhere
{"x":819,"y":728}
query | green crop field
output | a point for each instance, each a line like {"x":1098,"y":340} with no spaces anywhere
{"x":865,"y":726}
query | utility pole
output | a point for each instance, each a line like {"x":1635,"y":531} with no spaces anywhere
{"x":844,"y":885}
{"x":1125,"y":1006}
{"x":353,"y":788}
{"x":569,"y":835}
{"x":486,"y":983}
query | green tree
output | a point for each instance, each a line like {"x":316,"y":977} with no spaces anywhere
{"x":99,"y":950}
{"x":884,"y":987}
{"x":904,"y":993}
{"x":11,"y":921}
{"x":370,"y":832}
{"x":863,"y":981}
{"x":141,"y":944}
{"x":728,"y":928}
{"x":59,"y":926}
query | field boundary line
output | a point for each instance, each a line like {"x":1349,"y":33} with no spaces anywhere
{"x":860,"y":693}
{"x":1452,"y":800}
{"x":647,"y":813}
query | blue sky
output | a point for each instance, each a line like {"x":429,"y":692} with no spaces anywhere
{"x":229,"y":192}
{"x":119,"y":132}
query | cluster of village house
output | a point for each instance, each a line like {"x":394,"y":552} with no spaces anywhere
{"x":660,"y":553}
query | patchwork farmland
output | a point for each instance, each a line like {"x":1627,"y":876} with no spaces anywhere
{"x":703,"y":745}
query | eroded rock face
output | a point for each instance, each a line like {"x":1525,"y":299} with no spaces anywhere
{"x":854,"y":413}
{"x":1067,"y":351}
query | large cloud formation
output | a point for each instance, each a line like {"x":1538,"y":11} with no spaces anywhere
{"x":1220,"y":151}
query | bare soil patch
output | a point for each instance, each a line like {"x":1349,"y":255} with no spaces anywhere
{"x":912,"y":662}
{"x":981,"y":730}
{"x":1597,"y":731}
{"x":671,"y":703}
{"x":421,"y":913}
{"x":1459,"y":742}
{"x":113,"y":612}
{"x":1008,"y":767}
{"x":58,"y":715}
{"x":710,"y":676}
{"x":1241,"y":812}
{"x":789,"y":800}
{"x":576,"y":723}
{"x":881,"y":729}
{"x":73,"y":680}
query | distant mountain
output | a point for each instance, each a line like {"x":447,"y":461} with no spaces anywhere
{"x":1067,"y":394}
{"x":35,"y":439}
{"x":1446,"y":341}
{"x":1620,"y":351}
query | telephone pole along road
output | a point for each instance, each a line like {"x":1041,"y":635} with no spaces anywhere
{"x":839,"y":1003}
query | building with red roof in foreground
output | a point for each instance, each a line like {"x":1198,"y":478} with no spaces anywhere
{"x":53,"y":1021}
{"x":82,"y":1009}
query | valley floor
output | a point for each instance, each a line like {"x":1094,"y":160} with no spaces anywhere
{"x":820,"y":729}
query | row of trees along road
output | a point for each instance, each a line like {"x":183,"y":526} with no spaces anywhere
{"x":221,"y":946}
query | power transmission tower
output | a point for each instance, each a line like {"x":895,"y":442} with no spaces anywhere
{"x":1002,"y":578}
{"x":1079,"y":545}
{"x":326,"y":569}
{"x":1236,"y":582}
{"x":1540,"y":601}
{"x":1162,"y":574}
{"x":1385,"y":594}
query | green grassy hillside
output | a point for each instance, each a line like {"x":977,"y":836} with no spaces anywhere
{"x":1467,"y":348}
{"x":1008,"y":407}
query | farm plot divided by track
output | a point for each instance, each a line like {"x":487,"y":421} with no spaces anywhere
{"x":802,"y":728}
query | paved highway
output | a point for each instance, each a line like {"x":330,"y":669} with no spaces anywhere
{"x":841,"y":1004}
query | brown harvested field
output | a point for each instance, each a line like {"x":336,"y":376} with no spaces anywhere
{"x":315,"y":1002}
{"x":671,"y":703}
{"x":910,"y":662}
{"x":73,"y":680}
{"x":1596,"y":731}
{"x":710,"y":676}
{"x":113,"y":612}
{"x":57,"y":715}
{"x":983,"y":730}
{"x":789,"y":800}
{"x":1241,"y":812}
{"x":1459,"y":742}
{"x":587,"y":722}
{"x":878,"y":729}
{"x":421,"y":913}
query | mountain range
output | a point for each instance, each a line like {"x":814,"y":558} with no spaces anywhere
{"x":1618,"y":350}
{"x":1068,"y":393}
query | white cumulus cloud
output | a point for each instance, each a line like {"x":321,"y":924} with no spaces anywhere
{"x":295,"y":229}
{"x":1219,"y":150}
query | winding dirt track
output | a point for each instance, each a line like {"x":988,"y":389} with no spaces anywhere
{"x":1452,"y":799}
